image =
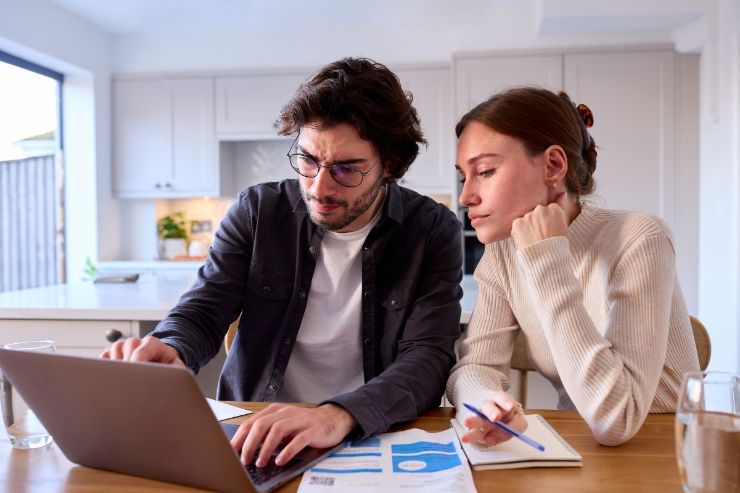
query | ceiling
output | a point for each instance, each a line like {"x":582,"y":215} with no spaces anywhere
{"x":178,"y":16}
{"x":131,"y":17}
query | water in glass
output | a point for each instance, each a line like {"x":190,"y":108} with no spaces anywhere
{"x":708,"y":433}
{"x":708,"y":451}
{"x":23,"y":427}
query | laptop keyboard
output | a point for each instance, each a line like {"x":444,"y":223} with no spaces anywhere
{"x":263,"y":474}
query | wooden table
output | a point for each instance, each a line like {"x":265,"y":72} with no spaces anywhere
{"x":647,"y":464}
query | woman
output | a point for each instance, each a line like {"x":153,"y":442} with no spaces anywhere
{"x":593,"y":291}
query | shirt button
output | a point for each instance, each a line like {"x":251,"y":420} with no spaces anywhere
{"x":302,"y":295}
{"x":287,"y":341}
{"x":366,"y":294}
{"x":367,"y":341}
{"x":366,"y":247}
{"x":394,"y":301}
{"x":266,"y":289}
{"x":272,"y":388}
{"x":312,"y":250}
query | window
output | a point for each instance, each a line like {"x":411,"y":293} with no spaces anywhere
{"x":31,"y":175}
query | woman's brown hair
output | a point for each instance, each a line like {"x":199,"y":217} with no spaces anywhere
{"x":540,"y":118}
{"x":366,"y":95}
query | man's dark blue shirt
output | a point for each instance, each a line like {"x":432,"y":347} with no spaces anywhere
{"x":261,"y":265}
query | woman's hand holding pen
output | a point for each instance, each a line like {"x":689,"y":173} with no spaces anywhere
{"x":500,"y":407}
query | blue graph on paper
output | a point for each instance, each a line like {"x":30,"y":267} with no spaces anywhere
{"x":423,"y":457}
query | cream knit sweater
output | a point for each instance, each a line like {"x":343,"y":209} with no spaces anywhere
{"x":603,"y":316}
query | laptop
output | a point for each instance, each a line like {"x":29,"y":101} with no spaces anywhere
{"x":143,"y":419}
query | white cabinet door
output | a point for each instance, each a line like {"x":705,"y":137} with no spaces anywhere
{"x":164,"y":141}
{"x":249,"y":106}
{"x":432,"y":171}
{"x":71,"y":337}
{"x":632,"y":98}
{"x":478,"y":78}
{"x":142,"y":151}
{"x":194,"y":165}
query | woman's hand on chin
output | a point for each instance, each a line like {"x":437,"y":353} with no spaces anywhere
{"x":541,"y":223}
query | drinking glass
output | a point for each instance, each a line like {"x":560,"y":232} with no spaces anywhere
{"x":24,"y":428}
{"x":708,"y":432}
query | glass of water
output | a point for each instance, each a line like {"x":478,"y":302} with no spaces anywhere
{"x":708,"y":433}
{"x":24,"y":428}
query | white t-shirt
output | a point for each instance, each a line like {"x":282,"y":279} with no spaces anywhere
{"x":327,"y":357}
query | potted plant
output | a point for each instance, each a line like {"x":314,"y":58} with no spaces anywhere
{"x":172,"y":235}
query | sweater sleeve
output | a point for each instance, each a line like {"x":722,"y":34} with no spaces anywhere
{"x":487,"y":345}
{"x":611,"y":378}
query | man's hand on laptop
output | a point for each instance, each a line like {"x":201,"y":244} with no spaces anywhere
{"x":149,"y":349}
{"x":323,"y":426}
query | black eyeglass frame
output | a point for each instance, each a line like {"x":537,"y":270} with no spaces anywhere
{"x":330,"y":167}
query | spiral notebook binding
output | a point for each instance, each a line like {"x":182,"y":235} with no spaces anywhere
{"x":557,"y":436}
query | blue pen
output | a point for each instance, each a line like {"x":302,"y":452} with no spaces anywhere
{"x":511,"y":431}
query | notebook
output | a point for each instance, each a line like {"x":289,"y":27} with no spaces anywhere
{"x":515,"y":454}
{"x":143,"y":419}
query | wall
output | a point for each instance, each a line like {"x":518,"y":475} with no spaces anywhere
{"x":719,"y":247}
{"x":45,"y":34}
{"x":393,"y":32}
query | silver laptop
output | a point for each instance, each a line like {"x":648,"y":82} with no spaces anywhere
{"x":142,"y":419}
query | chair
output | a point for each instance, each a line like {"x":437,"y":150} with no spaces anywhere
{"x":520,"y":361}
{"x":520,"y":358}
{"x":702,"y":341}
{"x":231,"y":334}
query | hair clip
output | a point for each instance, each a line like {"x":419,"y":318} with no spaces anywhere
{"x":586,"y":115}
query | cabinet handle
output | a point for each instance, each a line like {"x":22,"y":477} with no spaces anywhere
{"x":113,"y":335}
{"x":168,"y":185}
{"x":157,"y":185}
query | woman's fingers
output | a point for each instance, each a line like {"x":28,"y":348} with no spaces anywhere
{"x":501,"y":406}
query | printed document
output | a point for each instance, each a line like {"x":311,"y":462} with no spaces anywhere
{"x":224,"y":411}
{"x":412,"y":460}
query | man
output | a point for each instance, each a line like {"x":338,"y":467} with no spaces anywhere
{"x":348,"y":284}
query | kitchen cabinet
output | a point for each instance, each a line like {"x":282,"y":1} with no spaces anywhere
{"x":248,"y":106}
{"x":432,"y":171}
{"x":479,"y":77}
{"x":164,"y":144}
{"x":71,"y":337}
{"x":78,"y":316}
{"x":633,"y":94}
{"x":632,"y":97}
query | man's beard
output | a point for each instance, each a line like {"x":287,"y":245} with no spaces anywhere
{"x":351,"y":212}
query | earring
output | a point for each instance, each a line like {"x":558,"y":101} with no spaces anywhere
{"x":554,"y":186}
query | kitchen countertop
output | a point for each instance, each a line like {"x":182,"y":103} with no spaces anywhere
{"x":149,"y":266}
{"x":150,"y":298}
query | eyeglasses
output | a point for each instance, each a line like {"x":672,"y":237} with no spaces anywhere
{"x":344,"y":174}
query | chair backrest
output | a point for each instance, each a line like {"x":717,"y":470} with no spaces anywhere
{"x":520,"y":358}
{"x":231,"y":334}
{"x":702,"y":341}
{"x":520,"y":362}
